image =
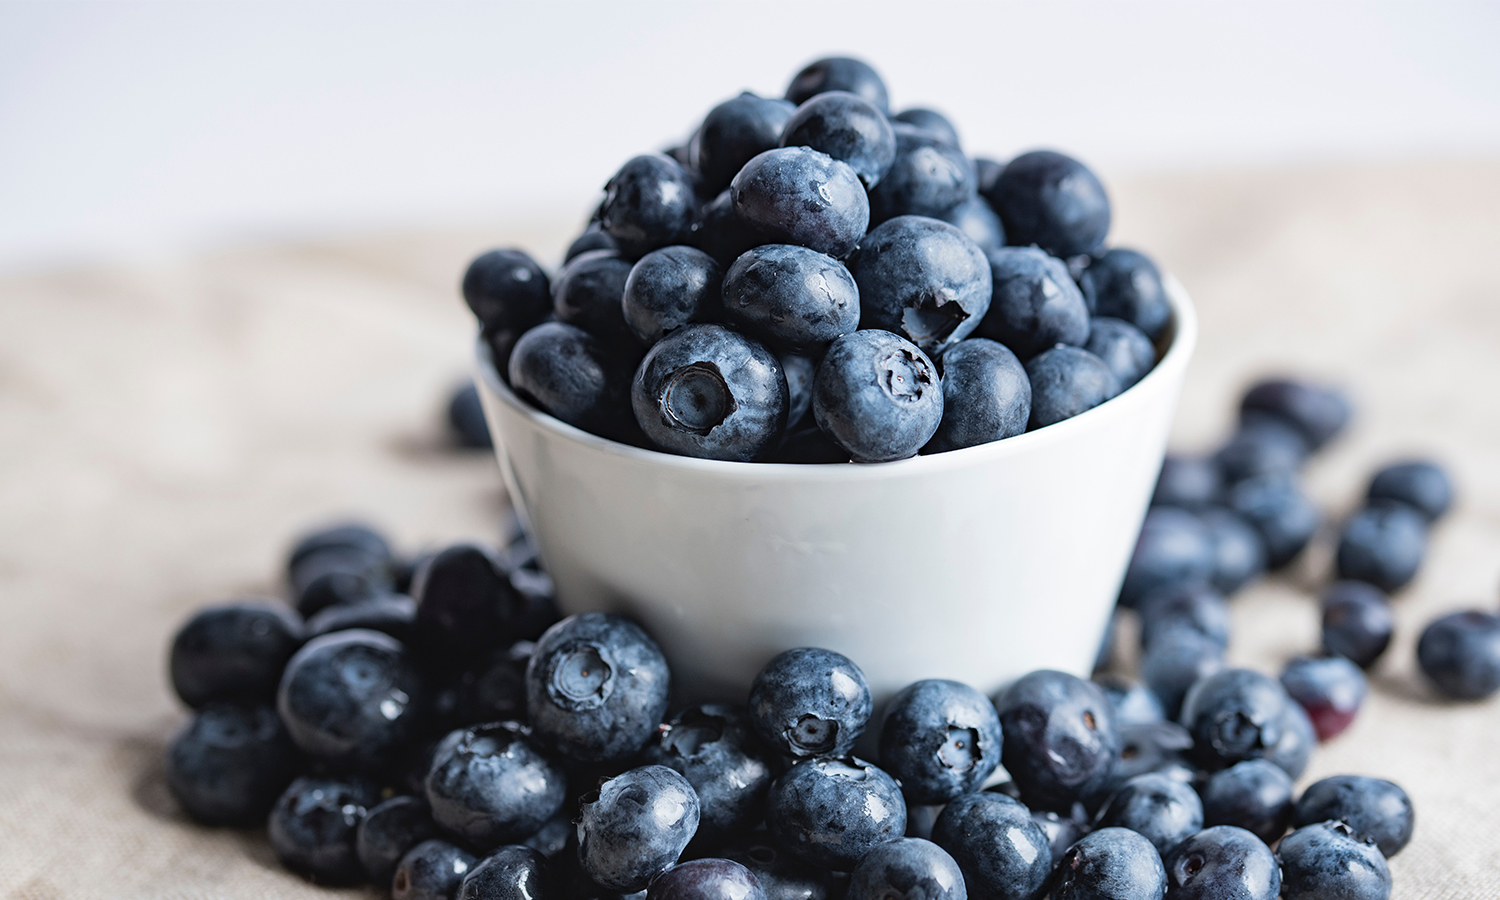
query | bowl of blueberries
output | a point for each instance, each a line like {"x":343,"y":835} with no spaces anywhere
{"x":819,"y":378}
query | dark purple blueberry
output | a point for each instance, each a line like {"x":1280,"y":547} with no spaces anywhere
{"x":1132,"y":701}
{"x":939,"y":738}
{"x":706,"y":879}
{"x":1191,"y":482}
{"x":466,"y":605}
{"x":1318,"y":412}
{"x":1169,"y":668}
{"x":570,"y":374}
{"x":1001,"y":851}
{"x":1174,"y":548}
{"x":1383,"y":544}
{"x":507,"y":291}
{"x":1420,"y":484}
{"x":1060,"y":738}
{"x":906,"y":869}
{"x":313,"y":824}
{"x":1239,"y":550}
{"x":432,"y":870}
{"x":491,"y":785}
{"x":848,"y":128}
{"x":1035,"y":305}
{"x":589,"y":293}
{"x":1330,"y":689}
{"x":930,"y":121}
{"x":1279,"y":510}
{"x":388,"y":831}
{"x":1460,"y":654}
{"x":1161,"y":809}
{"x":1066,"y":381}
{"x":878,"y":396}
{"x":723,"y":234}
{"x":1127,"y":285}
{"x":510,"y":873}
{"x":713,"y":747}
{"x":466,"y":424}
{"x":799,"y":372}
{"x":670,"y":288}
{"x":733,"y":133}
{"x":839,"y":73}
{"x":810,"y":702}
{"x":635,"y":826}
{"x":1196,"y":607}
{"x":975,"y":218}
{"x":986,"y":396}
{"x":649,"y":203}
{"x":794,"y":299}
{"x":1256,"y":795}
{"x":1222,"y":863}
{"x":928,"y":177}
{"x":1329,"y":860}
{"x":830,"y":812}
{"x":1055,"y":202}
{"x":1123,"y":347}
{"x":594,"y":238}
{"x":229,"y":763}
{"x":233,"y":652}
{"x":797,"y":195}
{"x":1110,"y":864}
{"x":1234,"y":715}
{"x":392,"y":614}
{"x":781,"y":875}
{"x":1357,"y":622}
{"x":1374,"y":809}
{"x":922,"y":279}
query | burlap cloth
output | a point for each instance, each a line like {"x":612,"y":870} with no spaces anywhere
{"x":164,"y":429}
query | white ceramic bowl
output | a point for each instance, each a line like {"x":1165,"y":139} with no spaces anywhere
{"x":979,"y":564}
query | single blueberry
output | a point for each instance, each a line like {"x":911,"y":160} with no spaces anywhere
{"x":336,"y":576}
{"x":351,"y":536}
{"x":313,"y":824}
{"x":1319,"y":413}
{"x":797,"y":195}
{"x":491,"y":785}
{"x":507,"y":291}
{"x":877,"y":395}
{"x":432,"y":870}
{"x":1001,"y":851}
{"x":928,"y":177}
{"x":233,"y":652}
{"x":1060,"y":738}
{"x":466,"y":423}
{"x":781,"y":875}
{"x":1330,"y":689}
{"x":1110,"y":864}
{"x":794,"y":299}
{"x":466,"y":605}
{"x":388,"y":831}
{"x":1035,"y":305}
{"x":986,"y":396}
{"x":1191,"y":482}
{"x":715,"y":750}
{"x":1132,"y":701}
{"x":1169,"y":668}
{"x":589,"y":293}
{"x":906,"y":869}
{"x":922,"y":279}
{"x":570,"y":374}
{"x":1329,"y":860}
{"x":510,"y":873}
{"x":1262,"y":445}
{"x":706,"y":879}
{"x":593,"y":238}
{"x":649,"y":203}
{"x":229,"y":763}
{"x":1234,"y":715}
{"x":1123,"y":347}
{"x":1357,"y":622}
{"x":1298,"y":740}
{"x":1193,"y":606}
{"x":1460,"y":654}
{"x":848,"y":128}
{"x":839,"y":73}
{"x":975,"y":218}
{"x":1223,"y":863}
{"x":810,"y":702}
{"x":1173,"y":548}
{"x":939,"y":738}
{"x":1256,"y":795}
{"x":799,"y":372}
{"x":1279,"y":510}
{"x":1159,"y":808}
{"x":1373,"y":808}
{"x":1055,"y":202}
{"x":1127,"y":285}
{"x":830,"y":812}
{"x":1239,"y":550}
{"x":930,"y":121}
{"x":1066,"y":381}
{"x":636,"y":826}
{"x":392,"y":614}
{"x":722,"y":234}
{"x":670,"y":288}
{"x":1420,"y":484}
{"x":733,"y":133}
{"x":1383,"y":544}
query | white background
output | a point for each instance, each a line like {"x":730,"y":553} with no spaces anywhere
{"x":146,"y":129}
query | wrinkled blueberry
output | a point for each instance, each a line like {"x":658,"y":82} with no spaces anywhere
{"x":922,"y":279}
{"x":510,"y":873}
{"x":1169,"y":668}
{"x":1255,"y":795}
{"x":233,"y":652}
{"x":713,"y":747}
{"x":1191,"y":482}
{"x":975,"y":218}
{"x":466,"y":423}
{"x":466,"y":605}
{"x":1234,"y":715}
{"x":1127,"y":285}
{"x":1123,"y":347}
{"x":589,"y":294}
{"x":1060,"y":738}
{"x":490,"y":785}
{"x":722,"y":234}
{"x":388,"y":831}
{"x":706,"y":879}
{"x":1192,"y":606}
{"x":649,"y":203}
{"x":1357,"y":622}
{"x":569,"y":374}
{"x":1066,"y":381}
{"x":1262,"y":445}
{"x":507,"y":290}
{"x":313,"y":824}
{"x":792,"y":298}
{"x":928,"y":177}
{"x":1373,"y":808}
{"x":432,"y":870}
{"x":594,"y":238}
{"x":668,"y":289}
{"x":1002,"y":852}
{"x":1319,"y":413}
{"x":810,"y":702}
{"x":1159,"y":808}
{"x":829,"y":811}
{"x":939,"y":738}
{"x":781,"y":875}
{"x":1132,"y":701}
{"x":797,"y":195}
{"x":848,"y":128}
{"x":635,"y":827}
{"x":733,"y":133}
{"x":986,"y":396}
{"x":1035,"y":305}
{"x":1055,"y":202}
{"x":906,"y":869}
{"x":1330,"y":689}
{"x":1460,"y":654}
{"x":839,"y":73}
{"x":799,"y":372}
{"x":1239,"y":550}
{"x":1420,"y":484}
{"x":1328,"y":860}
{"x":930,"y":121}
{"x":1383,"y":545}
{"x":392,"y":614}
{"x":229,"y":763}
{"x":1110,"y":864}
{"x":1279,"y":510}
{"x":1173,"y":548}
{"x":877,"y":395}
{"x":1222,"y":863}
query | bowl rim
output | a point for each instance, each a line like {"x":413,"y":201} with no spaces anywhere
{"x":1182,"y":337}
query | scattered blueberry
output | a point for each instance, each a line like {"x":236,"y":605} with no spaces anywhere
{"x":1055,"y":202}
{"x":1191,"y":482}
{"x":635,"y":827}
{"x":510,"y":873}
{"x":1373,"y":808}
{"x":312,"y":828}
{"x":877,"y":395}
{"x":1330,"y":689}
{"x":589,"y":293}
{"x":839,"y":73}
{"x":733,"y":133}
{"x":830,"y":812}
{"x":1255,"y":795}
{"x":571,"y":375}
{"x":797,"y":195}
{"x":1159,"y":808}
{"x":1169,"y":668}
{"x":490,"y":785}
{"x":432,"y":870}
{"x":928,"y":177}
{"x":810,"y":702}
{"x":792,"y":298}
{"x":922,"y":279}
{"x":507,"y":291}
{"x":906,"y":869}
{"x":1239,"y":550}
{"x":1329,"y":860}
{"x":722,"y":234}
{"x":1060,"y":738}
{"x":466,"y":419}
{"x":1279,"y":510}
{"x":986,"y":396}
{"x":229,"y":763}
{"x":1262,"y":445}
{"x":930,"y":121}
{"x":1173,"y":548}
{"x":649,"y":203}
{"x":1133,"y":702}
{"x":939,"y":738}
{"x":1127,"y":285}
{"x":337,"y":575}
{"x":670,"y":288}
{"x":1151,"y":748}
{"x":1383,"y":545}
{"x":1319,"y":413}
{"x":1035,"y":305}
{"x":1357,"y":622}
{"x":713,"y":747}
{"x":848,"y":128}
{"x":1196,"y":607}
{"x":1066,"y":381}
{"x":1223,"y":863}
{"x":388,"y":831}
{"x":1234,"y":715}
{"x":1123,"y":347}
{"x":1420,"y":484}
{"x":233,"y":652}
{"x":1460,"y":654}
{"x":1110,"y":864}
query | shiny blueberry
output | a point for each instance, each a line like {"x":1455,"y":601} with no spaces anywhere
{"x":312,"y":828}
{"x":229,"y":763}
{"x":233,"y":652}
{"x":1330,"y":689}
{"x":1055,"y":202}
{"x":940,"y":739}
{"x":1173,"y":548}
{"x":432,"y":870}
{"x":570,"y":374}
{"x":1357,"y":622}
{"x":928,"y":177}
{"x":1329,"y":860}
{"x":1161,"y":809}
{"x":1035,"y":304}
{"x":1262,"y":445}
{"x":635,"y":827}
{"x":1279,"y":510}
{"x":507,"y":291}
{"x":510,"y":873}
{"x":1002,"y":852}
{"x":830,"y":811}
{"x":839,"y":73}
{"x":1373,"y":808}
{"x":466,"y":605}
{"x":1132,"y":701}
{"x":1123,"y":347}
{"x":1460,"y":654}
{"x":1420,"y":484}
{"x":1127,"y":285}
{"x":706,"y":879}
{"x":589,"y":294}
{"x":799,"y":372}
{"x":930,"y":121}
{"x":1066,"y":381}
{"x":491,"y":785}
{"x":792,"y":298}
{"x":922,"y":279}
{"x":986,"y":396}
{"x":1060,"y":738}
{"x":1255,"y":795}
{"x":977,"y":219}
{"x":714,"y":748}
{"x":1110,"y":864}
{"x":848,"y":128}
{"x":797,"y":195}
{"x":669,"y":288}
{"x":1239,"y":550}
{"x":649,"y":203}
{"x":1234,"y":715}
{"x":1319,"y":413}
{"x":466,"y":423}
{"x":1223,"y":863}
{"x":1191,"y":482}
{"x":906,"y":869}
{"x":388,"y":831}
{"x":810,"y":702}
{"x":1383,"y":544}
{"x":781,"y":875}
{"x":1196,"y":607}
{"x":878,"y":396}
{"x":1169,"y":668}
{"x":733,"y":133}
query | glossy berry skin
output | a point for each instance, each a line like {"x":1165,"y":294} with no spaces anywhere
{"x":715,"y":750}
{"x":733,"y":133}
{"x":670,"y":288}
{"x":906,"y":869}
{"x":1234,"y":715}
{"x":1319,"y":413}
{"x":781,"y":875}
{"x":1191,"y":482}
{"x":635,"y":827}
{"x":986,"y":396}
{"x":1255,"y":795}
{"x":1128,"y":286}
{"x":797,"y":195}
{"x":1383,"y":545}
{"x":466,"y":605}
{"x":432,"y":870}
{"x":1222,"y":863}
{"x":312,"y":828}
{"x":710,"y":392}
{"x":706,"y":879}
{"x":388,"y":831}
{"x":1066,"y":381}
{"x":830,"y":812}
{"x":229,"y":763}
{"x":1035,"y":304}
{"x":1193,"y":606}
{"x":491,"y":785}
{"x":233,"y":652}
{"x":928,"y":177}
{"x":877,"y":396}
{"x":975,"y":218}
{"x":1357,"y":622}
{"x":510,"y":873}
{"x":1330,"y":689}
{"x":848,"y":128}
{"x":1375,"y":809}
{"x":800,"y":372}
{"x":1060,"y":738}
{"x":810,"y":702}
{"x":839,"y":73}
{"x":649,"y":203}
{"x":1055,"y":202}
{"x":466,"y":423}
{"x":1262,"y":445}
{"x":1002,"y":852}
{"x":1170,"y":668}
{"x":571,"y":375}
{"x":1110,"y":864}
{"x":922,"y":279}
{"x":1173,"y":548}
{"x":589,"y":293}
{"x":930,"y":121}
{"x":352,"y":698}
{"x":1420,"y":484}
{"x":507,"y":290}
{"x":793,"y":299}
{"x":940,"y":738}
{"x":1239,"y":551}
{"x":1123,"y":347}
{"x":1159,"y":808}
{"x":1279,"y":510}
{"x":1460,"y":654}
{"x":596,"y":688}
{"x":1132,"y":701}
{"x":1329,"y":860}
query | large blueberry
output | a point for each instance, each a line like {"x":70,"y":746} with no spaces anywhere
{"x":930,"y":121}
{"x":792,"y":298}
{"x":312,"y":828}
{"x":922,"y":279}
{"x":229,"y":763}
{"x":1279,"y":510}
{"x":1239,"y":550}
{"x":388,"y":831}
{"x":1319,"y":413}
{"x":1261,"y":445}
{"x":830,"y":812}
{"x":1255,"y":795}
{"x":1066,"y":381}
{"x":1126,"y":285}
{"x":1375,"y":809}
{"x":1329,"y":860}
{"x":1357,"y":622}
{"x":490,"y":785}
{"x":839,"y":73}
{"x":1123,"y":347}
{"x":1234,"y":715}
{"x":810,"y":702}
{"x":1460,"y":654}
{"x":236,"y":651}
{"x":507,"y":290}
{"x":1330,"y":689}
{"x":906,"y":869}
{"x":670,"y":288}
{"x":649,"y":203}
{"x":589,"y":293}
{"x":1161,"y":809}
{"x":636,"y":826}
{"x":848,"y":128}
{"x":570,"y":374}
{"x":977,"y":219}
{"x":432,"y":870}
{"x":781,"y":875}
{"x":1060,"y":738}
{"x":708,"y":391}
{"x":1383,"y":544}
{"x":1196,"y":607}
{"x":877,"y":395}
{"x":1035,"y":304}
{"x":707,"y":879}
{"x":596,"y":687}
{"x":466,"y":605}
{"x":510,"y":873}
{"x":733,"y":133}
{"x":1002,"y":852}
{"x":1223,"y":863}
{"x":1420,"y":484}
{"x":1191,"y":482}
{"x":986,"y":396}
{"x":1055,"y":202}
{"x":1110,"y":864}
{"x":797,"y":195}
{"x":1169,"y":668}
{"x":714,"y":748}
{"x":940,"y":738}
{"x":1173,"y":548}
{"x":928,"y":177}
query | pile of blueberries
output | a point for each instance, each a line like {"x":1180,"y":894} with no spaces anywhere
{"x":813,"y":279}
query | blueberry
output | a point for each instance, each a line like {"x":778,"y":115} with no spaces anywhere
{"x":710,"y":392}
{"x":810,"y":702}
{"x":1223,"y":863}
{"x":922,"y":279}
{"x":1151,"y":747}
{"x":1330,"y":689}
{"x":392,"y":614}
{"x":986,"y":396}
{"x":1191,"y":482}
{"x":432,"y":870}
{"x":1066,"y":381}
{"x":494,"y":690}
{"x":1255,"y":795}
{"x":1239,"y":551}
{"x":594,"y":238}
{"x":1132,"y":701}
{"x":975,"y":218}
{"x":510,"y":873}
{"x":235,"y":651}
{"x":1193,"y":606}
{"x":466,"y":605}
{"x":1110,"y":864}
{"x":351,"y":698}
{"x":1162,"y":810}
{"x":1298,"y":740}
{"x":713,"y":747}
{"x":571,"y":375}
{"x":1383,"y":545}
{"x":345,"y":536}
{"x":877,"y":395}
{"x":1374,"y":809}
{"x":986,"y":172}
{"x":596,"y":688}
{"x":338,"y":575}
{"x":1262,"y":445}
{"x":799,"y":372}
{"x":1234,"y":715}
{"x":387,"y":831}
{"x":589,"y":293}
{"x":782,"y":876}
{"x":797,"y":195}
{"x":1060,"y":738}
{"x":1357,"y":622}
{"x":636,"y":826}
{"x":1055,"y":202}
{"x":1169,"y":668}
{"x":1173,"y":548}
{"x":507,"y":291}
{"x":1460,"y":654}
{"x":1328,"y":860}
{"x":829,"y":811}
{"x":839,"y":73}
{"x":466,"y":421}
{"x":1002,"y":852}
{"x":312,"y":828}
{"x":1420,"y":484}
{"x":1279,"y":510}
{"x":848,"y":128}
{"x":1062,"y":831}
{"x":229,"y":763}
{"x":1035,"y":304}
{"x":1127,"y":285}
{"x":794,"y":299}
{"x":906,"y":869}
{"x":722,"y":234}
{"x":555,"y":835}
{"x":733,"y":133}
{"x":649,"y":203}
{"x":940,"y":739}
{"x":500,"y":345}
{"x":1319,"y":413}
{"x":930,"y":121}
{"x":1123,"y":347}
{"x":928,"y":177}
{"x":491,"y":785}
{"x":669,"y":288}
{"x":706,"y":879}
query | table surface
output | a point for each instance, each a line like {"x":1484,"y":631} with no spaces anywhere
{"x":165,"y":428}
